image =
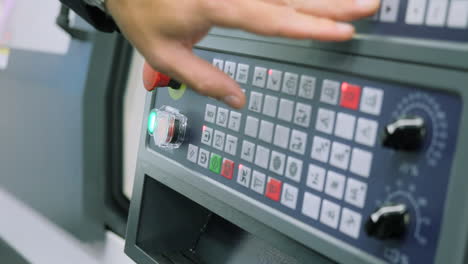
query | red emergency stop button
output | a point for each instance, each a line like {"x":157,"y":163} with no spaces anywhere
{"x":273,"y":189}
{"x":350,"y":95}
{"x":153,"y":79}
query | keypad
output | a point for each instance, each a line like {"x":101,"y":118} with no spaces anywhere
{"x":307,"y":146}
{"x":303,"y":143}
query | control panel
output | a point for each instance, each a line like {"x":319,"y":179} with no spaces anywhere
{"x":427,"y":19}
{"x":361,"y":161}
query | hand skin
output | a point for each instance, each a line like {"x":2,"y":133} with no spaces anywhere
{"x":165,"y":31}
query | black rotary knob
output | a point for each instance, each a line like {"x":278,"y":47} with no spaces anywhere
{"x":406,"y":133}
{"x":388,"y":222}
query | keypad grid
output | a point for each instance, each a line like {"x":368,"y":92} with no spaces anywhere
{"x":193,"y":106}
{"x":272,"y":139}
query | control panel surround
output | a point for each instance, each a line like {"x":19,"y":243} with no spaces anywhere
{"x":286,"y":120}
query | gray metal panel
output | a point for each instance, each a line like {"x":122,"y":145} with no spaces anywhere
{"x":431,"y":52}
{"x":455,"y":227}
{"x":9,"y":255}
{"x":43,"y":100}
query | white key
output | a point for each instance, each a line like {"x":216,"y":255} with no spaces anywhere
{"x":350,"y":223}
{"x":289,"y":196}
{"x":207,"y":135}
{"x":330,"y":213}
{"x":298,"y":142}
{"x":325,"y":120}
{"x":251,"y":126}
{"x":258,"y":182}
{"x":389,"y":11}
{"x":330,"y":92}
{"x":290,"y":83}
{"x":210,"y":113}
{"x":203,"y":158}
{"x":255,"y":102}
{"x":218,"y":140}
{"x":243,"y":175}
{"x":259,"y":77}
{"x":231,"y":145}
{"x":270,"y":106}
{"x":320,"y":149}
{"x":344,"y":126}
{"x":366,"y":131}
{"x":286,"y":109}
{"x":274,"y":80}
{"x":248,"y":151}
{"x":266,"y":131}
{"x":222,"y":117}
{"x":234,"y":121}
{"x":371,"y":100}
{"x":415,"y":12}
{"x":307,"y":87}
{"x":340,"y":155}
{"x":355,"y":192}
{"x":311,"y":205}
{"x":192,"y":153}
{"x":335,"y":184}
{"x":316,"y":177}
{"x":262,"y":157}
{"x":242,"y":73}
{"x":361,"y":162}
{"x":302,"y":114}
{"x":436,"y":13}
{"x":458,"y":14}
{"x":230,"y":69}
{"x":218,"y":64}
{"x":277,"y":162}
{"x":294,"y":169}
{"x":281,"y":138}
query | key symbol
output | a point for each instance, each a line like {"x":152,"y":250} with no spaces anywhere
{"x":288,"y":196}
{"x":276,"y":163}
{"x":293,"y":169}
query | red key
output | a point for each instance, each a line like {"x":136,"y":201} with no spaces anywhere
{"x":273,"y":189}
{"x":350,"y":95}
{"x":228,"y":169}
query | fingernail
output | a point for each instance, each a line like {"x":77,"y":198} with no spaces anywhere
{"x":231,"y":100}
{"x":366,"y":3}
{"x":345,"y":28}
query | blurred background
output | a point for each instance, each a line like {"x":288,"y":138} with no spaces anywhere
{"x":71,"y":103}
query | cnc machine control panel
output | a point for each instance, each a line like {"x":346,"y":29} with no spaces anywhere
{"x":353,"y":159}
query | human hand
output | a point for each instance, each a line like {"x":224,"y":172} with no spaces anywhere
{"x":165,"y":31}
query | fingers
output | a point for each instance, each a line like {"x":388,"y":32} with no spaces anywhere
{"x":180,"y":63}
{"x":343,"y":10}
{"x":275,"y":20}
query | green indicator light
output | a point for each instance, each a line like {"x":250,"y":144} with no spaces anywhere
{"x":151,"y":122}
{"x":215,"y":163}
